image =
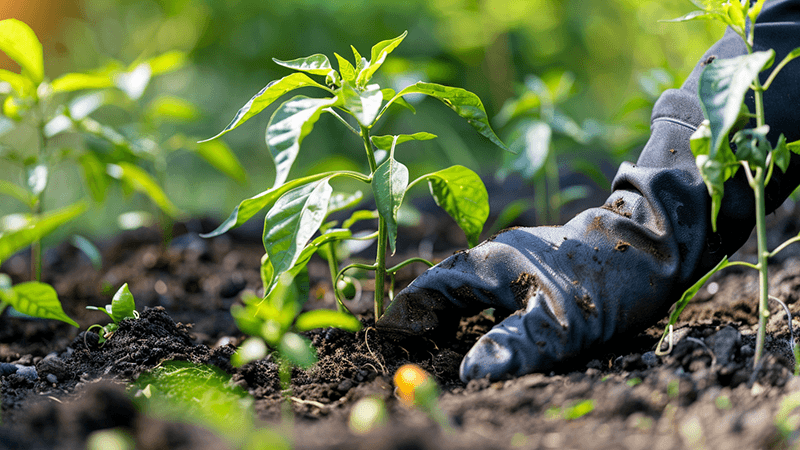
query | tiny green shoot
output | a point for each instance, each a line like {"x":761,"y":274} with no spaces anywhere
{"x":122,"y":307}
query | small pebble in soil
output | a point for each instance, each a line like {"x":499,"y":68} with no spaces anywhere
{"x":28,"y":372}
{"x":52,"y":378}
{"x":650,"y":359}
{"x":746,"y":350}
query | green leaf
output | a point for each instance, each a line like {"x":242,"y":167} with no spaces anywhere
{"x":689,"y":294}
{"x":250,"y":350}
{"x":17,"y":192}
{"x":462,"y":194}
{"x":781,"y":155}
{"x":363,"y":105}
{"x":71,"y":82}
{"x":90,"y":250}
{"x":752,"y":145}
{"x":219,"y":155}
{"x":340,"y":201}
{"x":389,"y":187}
{"x":361,"y":62}
{"x":317,"y":64}
{"x":388,"y":94}
{"x":292,"y":220}
{"x":794,"y":147}
{"x":37,"y":228}
{"x":722,"y":88}
{"x":324,"y":318}
{"x":266,"y":271}
{"x":20,"y":43}
{"x":266,"y":96}
{"x":297,"y":350}
{"x":755,"y":10}
{"x":168,"y":108}
{"x":139,"y":180}
{"x":167,"y":62}
{"x":287,"y":128}
{"x":94,"y":173}
{"x":464,"y":103}
{"x":692,"y":16}
{"x":379,"y":53}
{"x":122,"y":305}
{"x":251,"y":206}
{"x":38,"y":176}
{"x":385,"y":142}
{"x":37,"y":300}
{"x":21,"y":85}
{"x":346,"y":70}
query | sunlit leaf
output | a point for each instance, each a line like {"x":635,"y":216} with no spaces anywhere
{"x":21,"y":85}
{"x":94,"y":173}
{"x":385,"y":142}
{"x":173,"y":109}
{"x":379,"y":53}
{"x":123,"y":305}
{"x":90,"y":250}
{"x":266,"y":96}
{"x":287,"y":128}
{"x":37,"y":228}
{"x":167,"y":62}
{"x":752,"y":145}
{"x":219,"y":155}
{"x":292,"y":220}
{"x":250,"y":350}
{"x":340,"y":201}
{"x":134,"y":83}
{"x":389,"y":93}
{"x":71,"y":82}
{"x":464,"y":103}
{"x":722,"y":87}
{"x":531,"y":141}
{"x":36,"y":299}
{"x":20,"y":43}
{"x":317,"y":64}
{"x":346,"y":70}
{"x":17,"y":192}
{"x":139,"y":180}
{"x":389,"y":187}
{"x":251,"y":206}
{"x":324,"y":318}
{"x":462,"y":194}
{"x":363,"y":105}
{"x":298,"y":350}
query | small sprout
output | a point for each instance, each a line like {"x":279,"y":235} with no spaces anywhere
{"x":122,"y":307}
{"x":573,"y":410}
{"x":634,"y":381}
{"x":369,"y":413}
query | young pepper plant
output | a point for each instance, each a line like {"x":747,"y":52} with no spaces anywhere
{"x":722,"y":88}
{"x":122,"y":307}
{"x":298,"y":208}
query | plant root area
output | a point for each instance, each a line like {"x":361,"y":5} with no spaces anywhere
{"x":60,"y":388}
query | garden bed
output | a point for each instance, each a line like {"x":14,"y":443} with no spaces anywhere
{"x":705,"y":393}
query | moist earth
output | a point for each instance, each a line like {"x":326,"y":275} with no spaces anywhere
{"x":59,"y":386}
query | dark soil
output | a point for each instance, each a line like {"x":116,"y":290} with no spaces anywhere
{"x":59,"y":386}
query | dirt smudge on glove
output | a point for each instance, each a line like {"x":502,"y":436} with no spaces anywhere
{"x":523,"y":288}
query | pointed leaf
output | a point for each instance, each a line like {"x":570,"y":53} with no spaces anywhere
{"x":385,"y":142}
{"x":38,"y":300}
{"x":167,"y":62}
{"x":17,"y":192}
{"x":251,"y":206}
{"x":71,"y":82}
{"x":292,"y":220}
{"x":297,"y":350}
{"x":287,"y":128}
{"x":794,"y":147}
{"x":379,"y":53}
{"x":134,"y":83}
{"x":388,"y":94}
{"x":21,"y":85}
{"x":122,"y":305}
{"x":167,"y":108}
{"x":36,"y":229}
{"x":317,"y":64}
{"x":20,"y":43}
{"x":722,"y":87}
{"x":361,"y":62}
{"x":781,"y":155}
{"x":389,"y":187}
{"x":462,"y":194}
{"x":346,"y":70}
{"x":752,"y":145}
{"x":266,"y":96}
{"x":219,"y":155}
{"x":363,"y":105}
{"x":324,"y":318}
{"x":137,"y":179}
{"x":464,"y":103}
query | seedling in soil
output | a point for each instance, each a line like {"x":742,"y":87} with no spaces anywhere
{"x":299,"y":208}
{"x":722,"y":88}
{"x":416,"y":388}
{"x":122,"y":307}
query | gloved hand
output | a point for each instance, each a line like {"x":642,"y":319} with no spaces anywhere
{"x":616,"y":269}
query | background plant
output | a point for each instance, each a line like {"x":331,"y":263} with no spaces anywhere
{"x":299,"y":208}
{"x":723,"y":85}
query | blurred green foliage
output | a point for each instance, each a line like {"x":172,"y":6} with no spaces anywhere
{"x":619,"y":52}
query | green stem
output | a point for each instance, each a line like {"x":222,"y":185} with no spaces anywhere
{"x":36,"y":246}
{"x":784,"y":245}
{"x":410,"y":261}
{"x":763,"y":254}
{"x":383,"y":233}
{"x":333,"y":267}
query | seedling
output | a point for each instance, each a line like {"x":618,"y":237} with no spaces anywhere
{"x":122,"y":307}
{"x":723,"y":85}
{"x":299,"y":208}
{"x":416,"y":388}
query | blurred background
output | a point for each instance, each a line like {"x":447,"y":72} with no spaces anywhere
{"x":589,"y":70}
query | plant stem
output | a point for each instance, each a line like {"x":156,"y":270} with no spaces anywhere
{"x":763,"y":254}
{"x":333,"y":267}
{"x":383,"y":233}
{"x":36,"y":246}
